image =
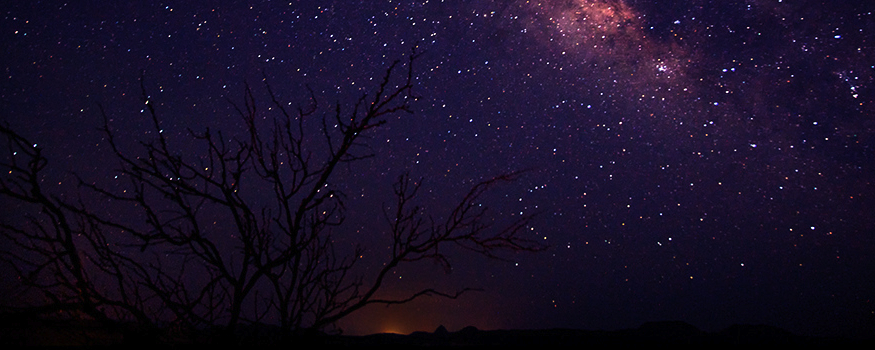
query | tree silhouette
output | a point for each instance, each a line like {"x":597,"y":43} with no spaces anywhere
{"x":273,"y":256}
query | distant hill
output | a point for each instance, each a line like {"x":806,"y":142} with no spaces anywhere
{"x":34,"y":332}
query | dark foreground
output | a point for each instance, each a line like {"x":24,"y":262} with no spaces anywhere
{"x":30,"y":332}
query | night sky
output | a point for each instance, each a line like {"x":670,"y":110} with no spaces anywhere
{"x":704,"y":161}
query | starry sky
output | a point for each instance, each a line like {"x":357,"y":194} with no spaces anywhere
{"x":697,"y":160}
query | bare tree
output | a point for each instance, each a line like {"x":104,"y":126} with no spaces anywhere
{"x":272,"y":257}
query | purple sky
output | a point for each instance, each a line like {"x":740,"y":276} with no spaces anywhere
{"x":704,"y":161}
